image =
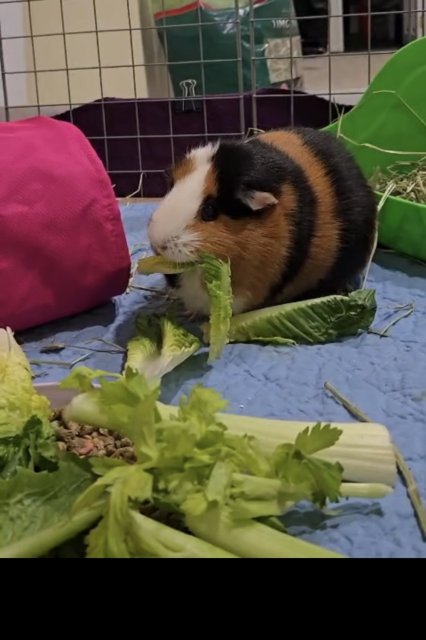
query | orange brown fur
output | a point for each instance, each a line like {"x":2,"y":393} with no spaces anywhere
{"x":325,"y":242}
{"x":183,"y":168}
{"x":210,"y":184}
{"x":265,"y":245}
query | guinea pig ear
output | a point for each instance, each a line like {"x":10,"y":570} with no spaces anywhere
{"x":257,"y":200}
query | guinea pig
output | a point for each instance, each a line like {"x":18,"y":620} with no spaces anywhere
{"x":290,"y":209}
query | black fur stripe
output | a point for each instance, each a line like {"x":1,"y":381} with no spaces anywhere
{"x":303,"y":227}
{"x":272,"y":178}
{"x":355,"y":208}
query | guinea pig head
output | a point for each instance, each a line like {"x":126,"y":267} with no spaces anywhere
{"x":216,"y":205}
{"x":209,"y":204}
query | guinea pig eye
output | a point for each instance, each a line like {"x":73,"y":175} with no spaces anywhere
{"x":209,"y":211}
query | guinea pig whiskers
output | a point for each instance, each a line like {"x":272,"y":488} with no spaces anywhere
{"x":182,"y":248}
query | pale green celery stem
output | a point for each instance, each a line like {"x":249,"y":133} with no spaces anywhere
{"x":347,"y":489}
{"x":370,"y":490}
{"x":173,"y":543}
{"x":252,"y":539}
{"x":364,"y":451}
{"x":44,"y":541}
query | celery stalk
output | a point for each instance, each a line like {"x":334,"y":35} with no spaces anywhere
{"x":370,"y":490}
{"x":250,"y":539}
{"x":365,"y":451}
{"x":149,"y":538}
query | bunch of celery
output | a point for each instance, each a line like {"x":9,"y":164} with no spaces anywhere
{"x":222,"y":483}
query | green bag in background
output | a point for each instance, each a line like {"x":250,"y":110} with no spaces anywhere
{"x":212,"y":48}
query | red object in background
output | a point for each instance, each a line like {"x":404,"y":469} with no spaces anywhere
{"x":62,"y":244}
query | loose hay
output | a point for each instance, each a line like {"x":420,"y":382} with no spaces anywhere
{"x":402,"y":181}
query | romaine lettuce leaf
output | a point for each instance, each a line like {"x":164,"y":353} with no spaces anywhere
{"x":159,"y":346}
{"x":33,"y":448}
{"x":35,"y":509}
{"x":316,"y":321}
{"x":217,"y":278}
{"x":26,"y":433}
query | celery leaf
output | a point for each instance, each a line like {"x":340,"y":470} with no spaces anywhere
{"x":317,"y":438}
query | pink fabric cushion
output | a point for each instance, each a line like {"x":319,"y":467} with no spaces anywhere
{"x":62,"y":244}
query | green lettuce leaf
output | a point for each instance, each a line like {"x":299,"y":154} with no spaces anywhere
{"x":216,"y":276}
{"x":35,"y":509}
{"x":157,"y":264}
{"x":33,"y":448}
{"x":316,"y":321}
{"x":217,"y":279}
{"x":159,"y":346}
{"x":26,"y":433}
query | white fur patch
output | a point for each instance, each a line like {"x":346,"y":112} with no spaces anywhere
{"x":194,"y":296}
{"x":167,"y":231}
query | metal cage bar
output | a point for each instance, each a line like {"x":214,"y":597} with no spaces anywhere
{"x":66,"y":58}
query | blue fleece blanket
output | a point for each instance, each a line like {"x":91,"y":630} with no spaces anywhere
{"x":386,"y":377}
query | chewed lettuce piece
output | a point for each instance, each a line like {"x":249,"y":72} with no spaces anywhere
{"x":216,"y":276}
{"x":217,"y":279}
{"x":159,"y":346}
